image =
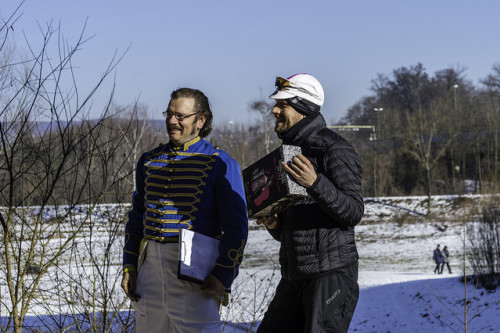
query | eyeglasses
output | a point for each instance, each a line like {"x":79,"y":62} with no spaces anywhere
{"x":178,"y":116}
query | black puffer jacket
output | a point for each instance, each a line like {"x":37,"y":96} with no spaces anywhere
{"x":317,"y":233}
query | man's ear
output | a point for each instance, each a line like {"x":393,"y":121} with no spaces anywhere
{"x":200,"y":122}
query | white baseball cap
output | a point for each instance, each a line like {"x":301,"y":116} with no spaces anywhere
{"x":301,"y":85}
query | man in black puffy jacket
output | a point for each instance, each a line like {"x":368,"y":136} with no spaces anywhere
{"x":318,"y":291}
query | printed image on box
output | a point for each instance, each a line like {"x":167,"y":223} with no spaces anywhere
{"x":268,"y":187}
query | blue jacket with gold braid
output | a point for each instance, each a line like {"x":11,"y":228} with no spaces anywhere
{"x":195,"y":186}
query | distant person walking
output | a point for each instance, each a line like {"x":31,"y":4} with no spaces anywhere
{"x":446,"y":259}
{"x":438,"y":259}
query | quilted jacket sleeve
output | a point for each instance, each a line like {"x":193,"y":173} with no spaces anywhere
{"x":337,"y":189}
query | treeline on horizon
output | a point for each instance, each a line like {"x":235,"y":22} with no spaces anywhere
{"x":434,"y":134}
{"x":427,"y":134}
{"x":417,"y":134}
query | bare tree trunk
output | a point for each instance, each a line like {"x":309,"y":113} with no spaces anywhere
{"x":424,"y":127}
{"x":263,"y":107}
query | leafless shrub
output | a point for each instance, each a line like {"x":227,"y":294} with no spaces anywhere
{"x":53,"y":156}
{"x":483,"y":238}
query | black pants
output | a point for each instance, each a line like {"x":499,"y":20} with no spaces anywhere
{"x":322,"y":304}
{"x":447,"y":265}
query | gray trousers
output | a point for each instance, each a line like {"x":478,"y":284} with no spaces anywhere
{"x":168,"y":304}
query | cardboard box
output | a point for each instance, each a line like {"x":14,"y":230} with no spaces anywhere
{"x":268,"y":187}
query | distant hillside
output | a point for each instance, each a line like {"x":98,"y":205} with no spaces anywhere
{"x":444,"y":207}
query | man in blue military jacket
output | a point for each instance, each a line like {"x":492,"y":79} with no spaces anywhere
{"x":187,"y":183}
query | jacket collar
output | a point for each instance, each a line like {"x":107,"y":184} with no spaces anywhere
{"x":301,"y":131}
{"x":185,"y":146}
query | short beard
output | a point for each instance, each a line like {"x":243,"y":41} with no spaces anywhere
{"x":279,"y":128}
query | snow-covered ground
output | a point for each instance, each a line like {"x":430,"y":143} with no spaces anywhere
{"x":399,"y":291}
{"x":422,"y":302}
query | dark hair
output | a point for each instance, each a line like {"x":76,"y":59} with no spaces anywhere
{"x":201,"y":105}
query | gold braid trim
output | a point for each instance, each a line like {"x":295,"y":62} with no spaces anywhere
{"x":176,"y":230}
{"x":210,"y":158}
{"x":238,"y":257}
{"x":163,"y":221}
{"x":174,"y":195}
{"x":171,"y":202}
{"x":174,"y":162}
{"x":175,"y":212}
{"x":182,"y":186}
{"x":170,"y":178}
{"x":127,"y":238}
{"x":161,"y":239}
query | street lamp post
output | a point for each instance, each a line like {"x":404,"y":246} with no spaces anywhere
{"x":377,"y":136}
{"x":455,"y":87}
{"x":378,"y":110}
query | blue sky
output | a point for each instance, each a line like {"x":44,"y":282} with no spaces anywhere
{"x":232,"y":50}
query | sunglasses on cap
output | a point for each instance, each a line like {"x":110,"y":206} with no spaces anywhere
{"x":281,"y":83}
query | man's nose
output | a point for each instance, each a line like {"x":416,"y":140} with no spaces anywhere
{"x":172,"y":120}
